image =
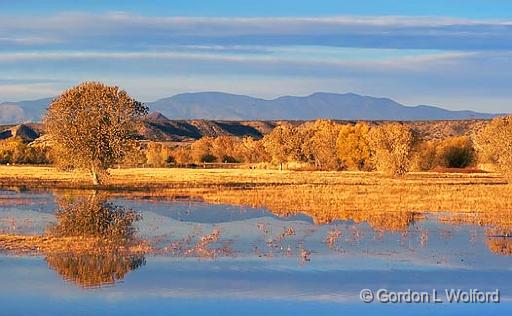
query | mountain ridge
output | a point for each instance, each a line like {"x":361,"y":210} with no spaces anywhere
{"x":214,"y":105}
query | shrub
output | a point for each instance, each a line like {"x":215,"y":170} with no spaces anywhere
{"x":425,"y":156}
{"x":455,"y":152}
{"x":452,"y":152}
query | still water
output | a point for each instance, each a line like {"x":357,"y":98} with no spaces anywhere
{"x":211,"y":259}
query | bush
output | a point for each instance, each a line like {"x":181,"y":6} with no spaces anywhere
{"x":452,"y":152}
{"x":456,"y":152}
{"x":425,"y":156}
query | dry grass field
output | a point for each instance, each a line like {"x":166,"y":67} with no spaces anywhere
{"x":22,"y":244}
{"x":386,"y":202}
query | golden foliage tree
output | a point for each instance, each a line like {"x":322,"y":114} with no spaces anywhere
{"x":224,"y":148}
{"x":494,"y":143}
{"x":181,"y":155}
{"x":323,"y":145}
{"x":91,"y":126}
{"x":392,"y":146}
{"x":425,"y":156}
{"x":202,"y":150}
{"x":283,"y":144}
{"x":137,"y":157}
{"x":251,"y":150}
{"x":353,"y":148}
{"x":158,"y":155}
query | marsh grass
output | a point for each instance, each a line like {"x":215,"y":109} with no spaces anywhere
{"x":386,"y":203}
{"x":24,"y":244}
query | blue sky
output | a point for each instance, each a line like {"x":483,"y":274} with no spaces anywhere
{"x":457,"y":54}
{"x":233,"y":8}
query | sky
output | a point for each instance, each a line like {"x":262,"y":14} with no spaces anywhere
{"x":451,"y":53}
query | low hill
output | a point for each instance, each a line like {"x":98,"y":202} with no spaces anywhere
{"x":158,"y":128}
{"x":22,"y":131}
{"x":187,"y":130}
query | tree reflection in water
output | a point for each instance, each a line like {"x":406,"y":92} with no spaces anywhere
{"x":112,"y":230}
{"x":94,"y":269}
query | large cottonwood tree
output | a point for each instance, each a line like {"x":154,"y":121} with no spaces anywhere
{"x":353,"y":148}
{"x":494,"y":143}
{"x":92,"y":126}
{"x":392,"y":145}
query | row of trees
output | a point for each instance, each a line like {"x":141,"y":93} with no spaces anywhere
{"x":94,"y":126}
{"x":325,"y":145}
{"x":16,"y":151}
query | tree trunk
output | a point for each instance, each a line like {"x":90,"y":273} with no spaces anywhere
{"x":95,"y":176}
{"x":95,"y":179}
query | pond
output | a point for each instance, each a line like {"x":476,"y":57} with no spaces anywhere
{"x":229,"y":260}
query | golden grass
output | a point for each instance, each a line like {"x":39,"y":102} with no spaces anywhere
{"x":348,"y":201}
{"x":326,"y":196}
{"x":23,"y":244}
{"x":176,"y":177}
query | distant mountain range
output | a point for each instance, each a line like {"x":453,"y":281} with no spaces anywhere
{"x":23,"y":111}
{"x":224,"y":106}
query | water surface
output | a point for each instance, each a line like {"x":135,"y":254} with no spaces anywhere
{"x":227,"y":260}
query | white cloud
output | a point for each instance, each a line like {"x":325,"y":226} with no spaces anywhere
{"x":407,"y":62}
{"x":28,"y":40}
{"x":28,"y":91}
{"x":116,"y":29}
